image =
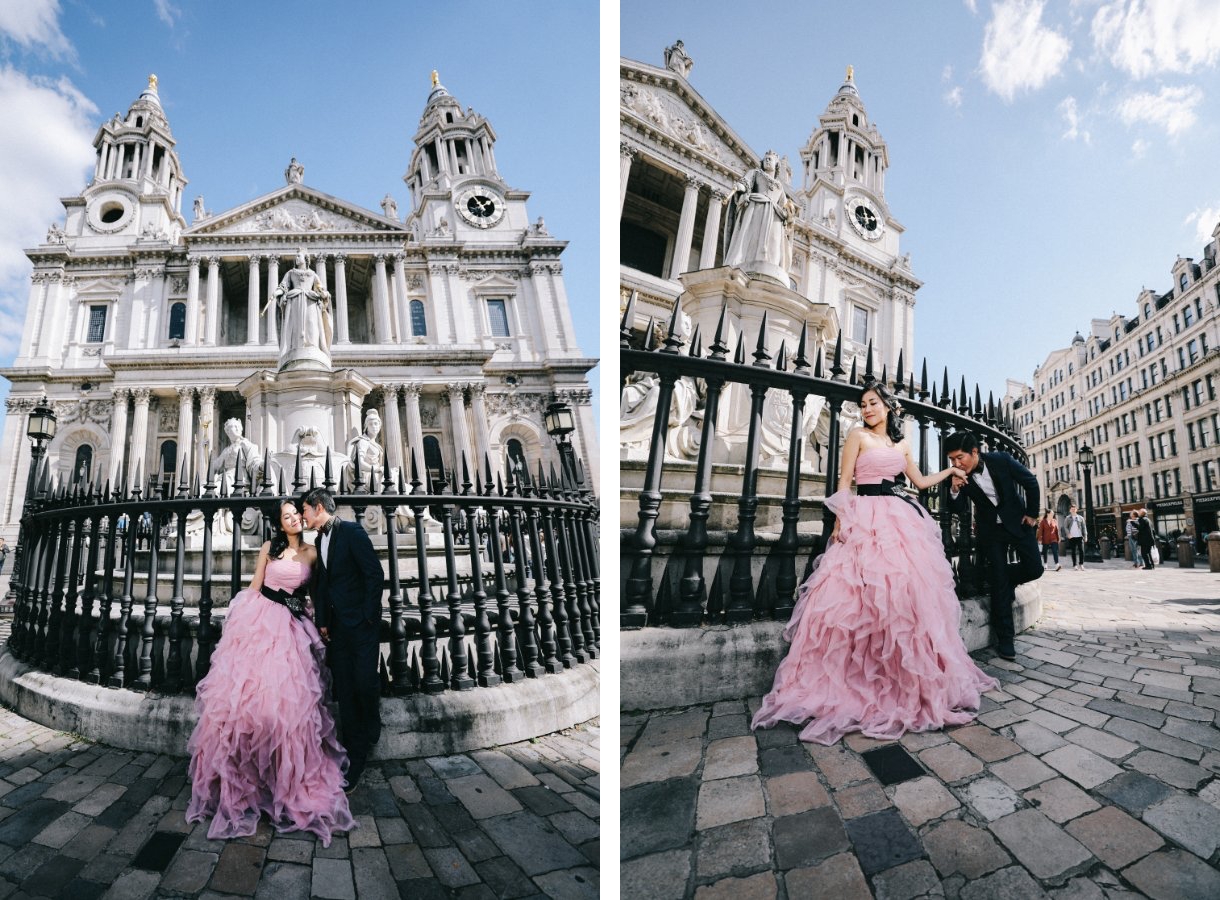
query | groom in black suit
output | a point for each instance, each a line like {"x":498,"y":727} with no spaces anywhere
{"x":347,"y":608}
{"x":1005,"y":496}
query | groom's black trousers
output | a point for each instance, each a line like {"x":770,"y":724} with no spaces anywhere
{"x":353,"y":657}
{"x":1005,"y":576}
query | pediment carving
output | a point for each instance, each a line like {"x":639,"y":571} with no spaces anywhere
{"x":671,"y":114}
{"x":295,"y":209}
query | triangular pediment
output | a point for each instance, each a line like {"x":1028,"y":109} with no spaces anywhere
{"x":495,"y":282}
{"x":99,"y":287}
{"x":661,"y":103}
{"x":295,"y":209}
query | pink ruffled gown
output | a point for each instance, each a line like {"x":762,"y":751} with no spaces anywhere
{"x":266,"y":741}
{"x":874,"y":634}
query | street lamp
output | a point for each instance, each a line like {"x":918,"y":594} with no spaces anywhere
{"x":1084,"y":457}
{"x":40,"y":429}
{"x":559,"y":424}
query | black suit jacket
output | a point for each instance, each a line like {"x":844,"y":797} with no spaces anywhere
{"x":347,"y":588}
{"x":1017,"y":488}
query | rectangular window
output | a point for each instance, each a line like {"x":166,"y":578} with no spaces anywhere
{"x":497,"y":317}
{"x":97,"y":324}
{"x":859,"y":325}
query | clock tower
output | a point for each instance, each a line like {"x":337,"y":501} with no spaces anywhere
{"x":456,"y":189}
{"x":844,"y":172}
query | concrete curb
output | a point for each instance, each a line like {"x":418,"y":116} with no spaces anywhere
{"x":414,"y":726}
{"x":669,"y":668}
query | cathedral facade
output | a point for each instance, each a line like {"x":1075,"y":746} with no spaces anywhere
{"x":147,"y":333}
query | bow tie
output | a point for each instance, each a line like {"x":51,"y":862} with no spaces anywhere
{"x":326,"y":529}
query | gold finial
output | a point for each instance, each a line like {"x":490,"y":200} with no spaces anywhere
{"x":851,"y":73}
{"x":152,"y":82}
{"x":436,"y":79}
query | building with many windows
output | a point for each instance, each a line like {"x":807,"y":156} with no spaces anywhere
{"x":148,"y":333}
{"x":1140,"y":391}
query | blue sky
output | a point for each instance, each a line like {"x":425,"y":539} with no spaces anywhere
{"x":246,"y":86}
{"x":1048,"y":160}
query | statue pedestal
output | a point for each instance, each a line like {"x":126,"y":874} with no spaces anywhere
{"x":317,"y":409}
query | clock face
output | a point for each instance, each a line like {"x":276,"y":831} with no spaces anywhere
{"x":481,"y":207}
{"x":865,"y":218}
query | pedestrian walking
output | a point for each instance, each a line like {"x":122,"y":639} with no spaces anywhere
{"x":1073,"y":527}
{"x":1147,"y":540}
{"x":1132,"y":530}
{"x":1048,"y":537}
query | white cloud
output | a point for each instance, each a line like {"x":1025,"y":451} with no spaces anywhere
{"x":1155,"y":37}
{"x":1139,"y":148}
{"x":972,"y":5}
{"x":953,"y":97}
{"x":45,"y":152}
{"x":1204,"y":221}
{"x":1020,"y":53}
{"x":1071,"y":117}
{"x":1172,"y":109}
{"x":166,"y":11}
{"x":34,"y":24}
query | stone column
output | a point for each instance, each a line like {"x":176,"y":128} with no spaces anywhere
{"x":186,"y":411}
{"x":686,"y":228}
{"x":415,"y":431}
{"x":626,"y":153}
{"x":404,"y":305}
{"x":461,"y":440}
{"x":207,"y":429}
{"x":320,"y":268}
{"x":118,"y":435}
{"x":191,"y":335}
{"x":393,"y":428}
{"x":381,"y":302}
{"x":479,"y":413}
{"x":138,"y":447}
{"x":711,"y":230}
{"x":212,"y":308}
{"x":273,"y":282}
{"x":341,"y":299}
{"x":252,"y":301}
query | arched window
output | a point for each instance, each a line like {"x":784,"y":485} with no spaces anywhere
{"x":432,"y":458}
{"x":169,"y":457}
{"x":516,"y":462}
{"x":419,"y":322}
{"x":177,"y":322}
{"x":1184,"y":281}
{"x":82,"y":466}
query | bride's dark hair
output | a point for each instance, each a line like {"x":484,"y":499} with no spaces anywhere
{"x":893,"y":422}
{"x":279,"y":537}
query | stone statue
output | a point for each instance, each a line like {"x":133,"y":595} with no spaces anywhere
{"x":55,"y":234}
{"x":294,"y":173}
{"x":677,"y":61}
{"x":200,"y":212}
{"x":364,"y":447}
{"x":305,"y":315}
{"x":239,"y":446}
{"x":389,"y":206}
{"x":754,"y":225}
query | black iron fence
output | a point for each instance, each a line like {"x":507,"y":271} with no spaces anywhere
{"x":513,"y":594}
{"x":685,"y":599}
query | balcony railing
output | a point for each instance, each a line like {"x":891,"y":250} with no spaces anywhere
{"x":737,"y":594}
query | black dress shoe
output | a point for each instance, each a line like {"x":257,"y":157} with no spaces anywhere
{"x":351,"y":782}
{"x":1007,"y":653}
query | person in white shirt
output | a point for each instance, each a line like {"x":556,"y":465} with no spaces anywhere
{"x":1073,"y":528}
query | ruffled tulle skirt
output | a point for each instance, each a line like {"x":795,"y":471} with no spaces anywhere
{"x":266,"y":742}
{"x":875,"y":646}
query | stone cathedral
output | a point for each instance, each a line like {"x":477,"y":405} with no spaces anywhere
{"x":294,"y":322}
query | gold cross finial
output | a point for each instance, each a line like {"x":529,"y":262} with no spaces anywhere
{"x":851,"y":73}
{"x":436,"y":79}
{"x":152,"y":82}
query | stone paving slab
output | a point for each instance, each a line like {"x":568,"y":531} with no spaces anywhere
{"x":459,"y":826}
{"x":1093,"y":773}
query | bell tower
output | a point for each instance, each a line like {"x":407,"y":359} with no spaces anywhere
{"x":137,"y":183}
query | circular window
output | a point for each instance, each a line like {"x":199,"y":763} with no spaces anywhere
{"x":111,"y":213}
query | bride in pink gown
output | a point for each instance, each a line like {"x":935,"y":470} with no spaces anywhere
{"x":875,"y":646}
{"x":266,"y":742}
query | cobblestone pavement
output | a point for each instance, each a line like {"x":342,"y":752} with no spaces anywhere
{"x":81,"y":820}
{"x":1090,"y":774}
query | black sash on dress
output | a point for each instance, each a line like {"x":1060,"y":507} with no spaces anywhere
{"x":294,"y":600}
{"x":888,"y":489}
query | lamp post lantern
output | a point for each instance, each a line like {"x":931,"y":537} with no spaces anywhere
{"x":559,"y":424}
{"x":40,"y":429}
{"x":1084,"y":457}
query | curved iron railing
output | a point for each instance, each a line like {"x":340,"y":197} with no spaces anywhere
{"x":774,"y":595}
{"x":515,"y":593}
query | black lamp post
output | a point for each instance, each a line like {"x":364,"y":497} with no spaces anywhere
{"x":1092,"y":550}
{"x":559,"y":424}
{"x":40,"y":428}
